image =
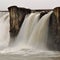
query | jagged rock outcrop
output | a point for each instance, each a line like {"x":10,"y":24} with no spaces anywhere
{"x":17,"y":16}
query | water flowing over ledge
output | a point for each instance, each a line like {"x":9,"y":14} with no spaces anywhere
{"x":30,"y":43}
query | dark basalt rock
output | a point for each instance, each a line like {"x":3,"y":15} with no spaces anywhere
{"x":53,"y":42}
{"x":17,"y":16}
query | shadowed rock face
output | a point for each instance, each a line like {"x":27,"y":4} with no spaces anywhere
{"x":54,"y":31}
{"x":17,"y":16}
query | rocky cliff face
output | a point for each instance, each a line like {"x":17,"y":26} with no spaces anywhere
{"x":17,"y":16}
{"x":54,"y":30}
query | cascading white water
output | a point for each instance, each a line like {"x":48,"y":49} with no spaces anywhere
{"x":25,"y":31}
{"x":27,"y":27}
{"x":4,"y":30}
{"x":32,"y":35}
{"x":39,"y":35}
{"x":33,"y":47}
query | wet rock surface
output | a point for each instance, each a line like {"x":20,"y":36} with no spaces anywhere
{"x":53,"y":42}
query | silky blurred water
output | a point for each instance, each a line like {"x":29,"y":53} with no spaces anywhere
{"x":31,"y":41}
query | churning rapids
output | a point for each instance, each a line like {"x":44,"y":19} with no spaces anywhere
{"x":32,"y":36}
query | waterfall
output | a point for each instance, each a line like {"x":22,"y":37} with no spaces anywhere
{"x":39,"y":35}
{"x":27,"y":27}
{"x":32,"y":35}
{"x":4,"y":30}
